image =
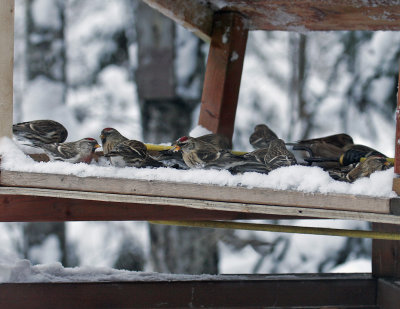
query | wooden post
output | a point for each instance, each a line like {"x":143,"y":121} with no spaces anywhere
{"x":396,"y":180}
{"x":386,"y":253}
{"x":6,"y":66}
{"x":223,"y":74}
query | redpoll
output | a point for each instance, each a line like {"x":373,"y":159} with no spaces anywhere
{"x":73,"y":152}
{"x":38,"y":132}
{"x":273,"y":155}
{"x":261,"y":136}
{"x":110,"y":137}
{"x":367,"y":167}
{"x":132,"y":153}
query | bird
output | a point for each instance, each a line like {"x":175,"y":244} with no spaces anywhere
{"x":273,"y":155}
{"x":73,"y":152}
{"x":261,"y":136}
{"x":218,"y":140}
{"x":367,"y":167}
{"x":197,"y":153}
{"x":132,"y":153}
{"x":38,"y":132}
{"x":110,"y":137}
{"x":333,"y":151}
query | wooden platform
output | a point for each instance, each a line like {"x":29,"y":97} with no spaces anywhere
{"x":301,"y":15}
{"x":230,"y":291}
{"x":130,"y":199}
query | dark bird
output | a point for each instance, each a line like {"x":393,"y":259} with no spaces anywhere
{"x":367,"y":167}
{"x":217,"y":140}
{"x":73,"y":152}
{"x":273,"y":155}
{"x":132,"y":153}
{"x":197,"y":153}
{"x":110,"y":137}
{"x":38,"y":132}
{"x":261,"y":136}
{"x":332,"y":151}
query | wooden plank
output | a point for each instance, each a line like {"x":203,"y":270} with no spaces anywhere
{"x":315,"y":14}
{"x":6,"y":66}
{"x":202,"y":205}
{"x":240,"y":291}
{"x":201,"y":191}
{"x":194,"y":15}
{"x":223,"y":73}
{"x":386,"y":253}
{"x":388,"y":296}
{"x":23,"y":208}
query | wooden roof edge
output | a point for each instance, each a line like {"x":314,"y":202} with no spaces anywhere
{"x":197,"y":17}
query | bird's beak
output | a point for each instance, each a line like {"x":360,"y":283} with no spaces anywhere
{"x":102,"y":136}
{"x":176,"y":148}
{"x":97,"y":146}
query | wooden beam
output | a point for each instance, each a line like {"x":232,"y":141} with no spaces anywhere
{"x":262,"y":196}
{"x":6,"y":66}
{"x":386,"y":253}
{"x":194,"y":15}
{"x":16,"y":210}
{"x":388,"y":294}
{"x":223,"y":73}
{"x":22,"y":208}
{"x":396,"y":180}
{"x":311,"y":15}
{"x":223,"y":291}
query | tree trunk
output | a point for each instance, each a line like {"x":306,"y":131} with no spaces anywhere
{"x":46,"y":90}
{"x":166,"y":112}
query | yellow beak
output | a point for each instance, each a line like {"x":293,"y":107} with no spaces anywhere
{"x":176,"y":148}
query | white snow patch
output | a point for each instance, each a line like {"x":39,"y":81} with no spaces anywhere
{"x":46,"y":14}
{"x":235,"y":56}
{"x":199,"y":130}
{"x":354,"y":266}
{"x":298,"y":178}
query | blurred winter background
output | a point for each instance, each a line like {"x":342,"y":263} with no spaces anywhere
{"x":117,"y":63}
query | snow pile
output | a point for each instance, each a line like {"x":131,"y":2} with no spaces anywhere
{"x":23,"y":271}
{"x":299,"y":178}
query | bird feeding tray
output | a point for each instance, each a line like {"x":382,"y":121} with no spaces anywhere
{"x":154,"y":199}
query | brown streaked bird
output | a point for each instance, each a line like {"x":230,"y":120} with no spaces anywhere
{"x":327,"y":151}
{"x":197,"y":153}
{"x":217,"y":140}
{"x":73,"y":152}
{"x":273,"y":155}
{"x":38,"y":132}
{"x":110,"y":137}
{"x":261,"y":136}
{"x":132,"y":153}
{"x":367,"y":167}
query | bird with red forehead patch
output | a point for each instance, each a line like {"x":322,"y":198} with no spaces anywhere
{"x":73,"y":152}
{"x":110,"y":137}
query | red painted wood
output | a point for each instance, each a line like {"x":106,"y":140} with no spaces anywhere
{"x":21,"y":208}
{"x":240,"y":291}
{"x":388,"y":294}
{"x":223,"y":73}
{"x":386,"y":253}
{"x":397,"y":141}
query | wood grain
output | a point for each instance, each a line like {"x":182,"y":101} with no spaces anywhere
{"x":200,"y":191}
{"x":386,"y":253}
{"x":224,"y":291}
{"x":6,"y":66}
{"x":388,"y":294}
{"x":257,"y":211}
{"x":223,"y":74}
{"x":194,"y":15}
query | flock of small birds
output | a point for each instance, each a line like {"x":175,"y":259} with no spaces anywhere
{"x":337,"y":154}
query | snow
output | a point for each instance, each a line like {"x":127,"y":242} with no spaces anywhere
{"x":199,"y":130}
{"x":354,"y":266}
{"x":46,"y":14}
{"x":298,"y":178}
{"x":23,"y":271}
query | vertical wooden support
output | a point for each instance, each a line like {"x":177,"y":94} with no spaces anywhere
{"x":396,"y":180}
{"x":223,"y":73}
{"x":386,"y":253}
{"x":6,"y":66}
